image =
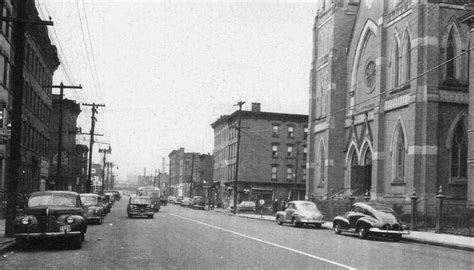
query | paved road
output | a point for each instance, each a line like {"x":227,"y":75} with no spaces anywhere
{"x":182,"y":238}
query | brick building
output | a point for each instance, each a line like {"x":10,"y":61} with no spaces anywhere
{"x":272,"y":156}
{"x":189,"y":173}
{"x":388,"y":112}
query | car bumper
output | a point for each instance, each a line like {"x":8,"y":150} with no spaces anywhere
{"x":47,"y":235}
{"x":93,"y":218}
{"x":136,"y":213}
{"x":311,"y":221}
{"x":377,"y":230}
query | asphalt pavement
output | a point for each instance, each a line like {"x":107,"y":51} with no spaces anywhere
{"x":182,"y":238}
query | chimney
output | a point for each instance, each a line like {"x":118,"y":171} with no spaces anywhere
{"x":255,"y":107}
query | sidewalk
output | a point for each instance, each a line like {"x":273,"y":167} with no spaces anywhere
{"x":430,"y":238}
{"x":6,"y":244}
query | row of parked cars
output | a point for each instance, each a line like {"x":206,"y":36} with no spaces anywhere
{"x":366,"y":219}
{"x":60,"y":215}
{"x":196,"y":202}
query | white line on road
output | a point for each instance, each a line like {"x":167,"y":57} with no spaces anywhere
{"x":266,"y":242}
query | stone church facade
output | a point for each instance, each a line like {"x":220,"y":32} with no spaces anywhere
{"x":389,"y":96}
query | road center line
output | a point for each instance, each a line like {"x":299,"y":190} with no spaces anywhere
{"x":266,"y":242}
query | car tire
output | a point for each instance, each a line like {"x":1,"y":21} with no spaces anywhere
{"x":21,"y":244}
{"x":278,"y":220}
{"x":337,"y":228}
{"x":82,"y":237}
{"x":397,"y":237}
{"x":296,"y":224}
{"x":100,"y":221}
{"x":363,"y":231}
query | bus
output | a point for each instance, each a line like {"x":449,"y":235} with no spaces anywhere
{"x":153,"y":193}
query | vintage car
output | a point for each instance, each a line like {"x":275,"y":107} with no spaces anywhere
{"x":197,"y":202}
{"x":94,"y":208}
{"x":140,"y":206}
{"x":370,"y":219}
{"x":106,"y":203}
{"x":115,"y":193}
{"x":186,"y":201}
{"x":300,"y":213}
{"x":51,"y":215}
{"x":246,"y":206}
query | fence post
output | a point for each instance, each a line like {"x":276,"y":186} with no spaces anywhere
{"x":414,"y":210}
{"x":440,"y":197}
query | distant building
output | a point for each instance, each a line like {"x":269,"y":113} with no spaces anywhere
{"x":71,"y":165}
{"x":189,"y":173}
{"x":272,"y":156}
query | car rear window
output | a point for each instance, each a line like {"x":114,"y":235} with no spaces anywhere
{"x":138,"y":200}
{"x":308,"y":206}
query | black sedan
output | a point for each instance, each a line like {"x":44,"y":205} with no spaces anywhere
{"x":370,"y":219}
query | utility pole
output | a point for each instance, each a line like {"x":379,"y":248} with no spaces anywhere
{"x":61,"y":86}
{"x":240,"y":103}
{"x":296,"y":165}
{"x":91,"y":143}
{"x":17,"y":103}
{"x":105,"y":151}
{"x":154,"y":180}
{"x":192,"y":178}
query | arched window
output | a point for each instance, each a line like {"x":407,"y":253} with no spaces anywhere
{"x":395,"y":64}
{"x":406,"y":59}
{"x":459,"y":153}
{"x":450,"y":54}
{"x":322,"y":161}
{"x":399,"y":157}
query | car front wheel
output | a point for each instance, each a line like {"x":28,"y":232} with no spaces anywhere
{"x":337,"y":228}
{"x":278,"y":220}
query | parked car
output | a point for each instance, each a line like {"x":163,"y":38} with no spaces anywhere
{"x":110,"y":197}
{"x":197,"y":202}
{"x":370,"y":219}
{"x":106,"y":203}
{"x":246,"y":206}
{"x":140,"y":206}
{"x":179,"y":199}
{"x":51,"y":215}
{"x":185,"y":201}
{"x":94,"y":208}
{"x":300,"y":213}
{"x":172,"y":199}
{"x":115,"y":193}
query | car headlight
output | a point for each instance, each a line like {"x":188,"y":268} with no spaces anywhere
{"x":70,"y":220}
{"x":25,"y":220}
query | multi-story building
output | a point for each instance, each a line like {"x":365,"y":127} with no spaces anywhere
{"x":40,"y":62}
{"x":6,"y":58}
{"x":272,"y":155}
{"x":389,"y":101}
{"x":189,"y":173}
{"x":69,"y":176}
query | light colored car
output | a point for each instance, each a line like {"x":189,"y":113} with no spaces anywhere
{"x":186,"y":201}
{"x":246,"y":206}
{"x":300,"y":213}
{"x":140,"y":206}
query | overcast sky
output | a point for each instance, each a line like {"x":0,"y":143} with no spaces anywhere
{"x":167,"y":69}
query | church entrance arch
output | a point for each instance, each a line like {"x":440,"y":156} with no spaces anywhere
{"x":361,"y":173}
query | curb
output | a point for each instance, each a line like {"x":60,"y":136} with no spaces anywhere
{"x":7,"y":247}
{"x":439,"y":244}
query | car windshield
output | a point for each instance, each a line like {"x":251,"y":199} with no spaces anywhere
{"x":52,"y":199}
{"x":139,"y":200}
{"x":308,"y":206}
{"x":89,"y":200}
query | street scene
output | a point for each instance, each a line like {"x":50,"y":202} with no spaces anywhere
{"x":184,"y":238}
{"x":313,"y":134}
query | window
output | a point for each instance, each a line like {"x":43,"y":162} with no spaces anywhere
{"x":450,"y":54}
{"x":321,"y":165}
{"x":289,"y":173}
{"x":289,"y":152}
{"x":305,"y":152}
{"x":399,"y":156}
{"x":274,"y":150}
{"x":304,"y":173}
{"x":305,"y":133}
{"x":406,"y":59}
{"x":274,"y":172}
{"x":459,"y":153}
{"x":395,"y":64}
{"x":275,"y":131}
{"x":291,"y":133}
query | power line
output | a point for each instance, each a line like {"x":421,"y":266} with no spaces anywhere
{"x":90,"y":43}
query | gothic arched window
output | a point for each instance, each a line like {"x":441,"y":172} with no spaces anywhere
{"x":406,"y":58}
{"x":396,"y":64}
{"x":450,"y":54}
{"x":399,"y":157}
{"x":459,"y":153}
